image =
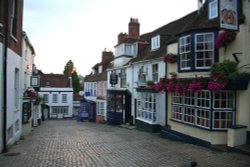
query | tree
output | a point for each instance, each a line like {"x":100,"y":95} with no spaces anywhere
{"x":71,"y":71}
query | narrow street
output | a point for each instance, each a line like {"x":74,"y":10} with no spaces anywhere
{"x":68,"y":143}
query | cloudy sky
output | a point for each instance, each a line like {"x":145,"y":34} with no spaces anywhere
{"x":79,"y":30}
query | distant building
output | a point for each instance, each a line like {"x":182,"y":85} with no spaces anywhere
{"x":57,"y":93}
{"x":95,"y":88}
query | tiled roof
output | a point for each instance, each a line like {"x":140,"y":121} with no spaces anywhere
{"x":97,"y":77}
{"x":54,"y":80}
{"x":169,"y":32}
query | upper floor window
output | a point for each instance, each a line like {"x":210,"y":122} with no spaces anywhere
{"x":196,"y":51}
{"x":141,"y":77}
{"x":155,"y":42}
{"x":123,"y":78}
{"x":13,"y":18}
{"x":204,"y":50}
{"x":54,"y":98}
{"x":155,"y":72}
{"x":1,"y":15}
{"x":64,"y":98}
{"x":213,"y":9}
{"x":185,"y":52}
{"x":125,"y":49}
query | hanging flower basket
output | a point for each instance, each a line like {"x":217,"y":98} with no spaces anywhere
{"x":30,"y":93}
{"x":224,"y":38}
{"x":237,"y":83}
{"x":170,"y":58}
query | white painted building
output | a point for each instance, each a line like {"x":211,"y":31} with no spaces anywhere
{"x":28,"y":56}
{"x":57,"y":95}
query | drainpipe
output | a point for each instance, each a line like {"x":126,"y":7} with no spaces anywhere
{"x":6,"y":40}
{"x":166,"y":98}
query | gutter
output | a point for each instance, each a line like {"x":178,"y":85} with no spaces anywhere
{"x":6,"y":41}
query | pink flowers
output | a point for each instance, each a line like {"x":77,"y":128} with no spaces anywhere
{"x":195,"y":87}
{"x":216,"y":87}
{"x":224,"y":38}
{"x":170,"y":58}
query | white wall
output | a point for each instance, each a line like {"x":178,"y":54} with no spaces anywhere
{"x":52,"y":90}
{"x":132,"y":79}
{"x":13,"y":112}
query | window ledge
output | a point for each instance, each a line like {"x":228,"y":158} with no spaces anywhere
{"x":147,"y":121}
{"x":14,"y":38}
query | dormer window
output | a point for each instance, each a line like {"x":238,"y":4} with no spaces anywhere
{"x":196,"y":51}
{"x":213,"y":9}
{"x":155,"y":42}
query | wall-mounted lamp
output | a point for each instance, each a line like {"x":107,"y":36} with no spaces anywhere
{"x":235,"y":56}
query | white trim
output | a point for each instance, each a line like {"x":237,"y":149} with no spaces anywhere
{"x":213,"y":9}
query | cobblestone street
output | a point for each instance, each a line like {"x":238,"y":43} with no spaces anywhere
{"x":67,"y":143}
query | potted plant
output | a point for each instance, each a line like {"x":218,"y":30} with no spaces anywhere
{"x":228,"y":73}
{"x":150,"y":84}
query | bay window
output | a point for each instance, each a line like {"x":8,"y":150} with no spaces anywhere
{"x":204,"y":109}
{"x":204,"y":50}
{"x":185,"y":52}
{"x":146,"y":107}
{"x":196,"y":51}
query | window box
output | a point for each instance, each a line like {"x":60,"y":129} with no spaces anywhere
{"x":237,"y":83}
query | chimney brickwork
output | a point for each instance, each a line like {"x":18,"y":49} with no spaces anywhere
{"x":133,"y":28}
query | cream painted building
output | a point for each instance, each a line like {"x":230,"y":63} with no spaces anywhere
{"x":207,"y":117}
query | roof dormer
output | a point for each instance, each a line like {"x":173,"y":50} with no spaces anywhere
{"x":155,"y":42}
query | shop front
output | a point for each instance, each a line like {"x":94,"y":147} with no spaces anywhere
{"x":119,"y":107}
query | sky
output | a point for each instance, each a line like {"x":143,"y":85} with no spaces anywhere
{"x":79,"y":30}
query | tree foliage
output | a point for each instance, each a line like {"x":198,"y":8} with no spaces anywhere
{"x":71,"y":71}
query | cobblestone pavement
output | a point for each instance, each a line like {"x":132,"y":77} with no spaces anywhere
{"x":68,"y":143}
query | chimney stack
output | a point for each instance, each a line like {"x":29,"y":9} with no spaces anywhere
{"x":106,"y":55}
{"x":122,"y":37}
{"x":133,"y":28}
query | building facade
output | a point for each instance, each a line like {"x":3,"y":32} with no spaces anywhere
{"x":95,"y":88}
{"x":11,"y":19}
{"x":212,"y":117}
{"x":57,"y":93}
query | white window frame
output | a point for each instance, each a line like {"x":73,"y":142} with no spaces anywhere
{"x":155,"y":71}
{"x":203,"y":110}
{"x":155,"y":42}
{"x":185,"y":52}
{"x":123,"y":78}
{"x":204,"y":48}
{"x":100,"y":108}
{"x":13,"y":17}
{"x":213,"y":9}
{"x":64,"y":98}
{"x":146,"y":107}
{"x":60,"y":110}
{"x":54,"y":98}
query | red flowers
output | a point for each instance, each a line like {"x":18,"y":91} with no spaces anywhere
{"x":170,"y":58}
{"x":224,"y":38}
